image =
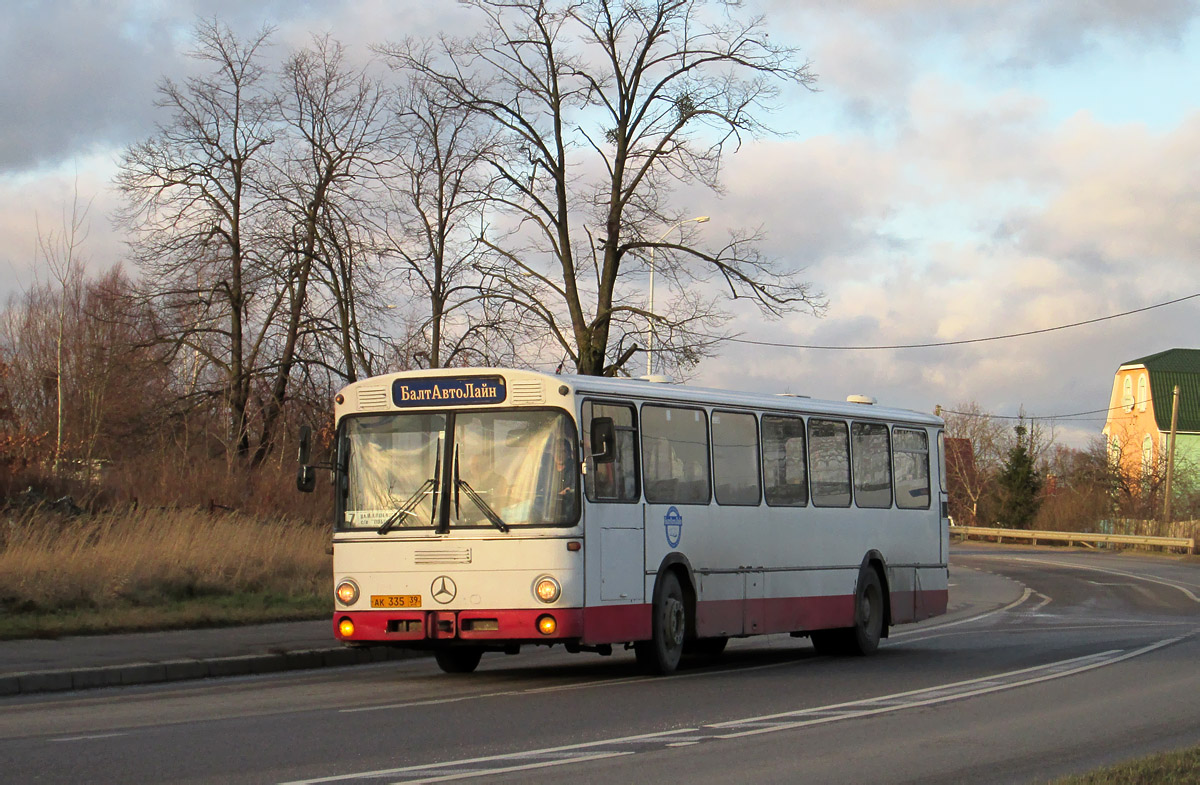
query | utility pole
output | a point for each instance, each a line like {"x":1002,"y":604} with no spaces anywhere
{"x":1171,"y":454}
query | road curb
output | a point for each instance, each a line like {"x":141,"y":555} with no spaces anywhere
{"x":63,"y":680}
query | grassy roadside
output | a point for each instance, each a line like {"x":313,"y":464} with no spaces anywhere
{"x":196,"y":613}
{"x":130,"y":570}
{"x":1181,"y":766}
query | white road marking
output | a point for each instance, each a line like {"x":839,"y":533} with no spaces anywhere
{"x":506,"y":769}
{"x":934,"y":627}
{"x":430,"y":702}
{"x":1045,"y":601}
{"x":89,"y":737}
{"x":380,"y":773}
{"x":747,"y":726}
{"x":564,"y":687}
{"x":1093,"y":568}
{"x":948,"y":692}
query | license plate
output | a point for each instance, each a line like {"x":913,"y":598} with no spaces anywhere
{"x":395,"y":601}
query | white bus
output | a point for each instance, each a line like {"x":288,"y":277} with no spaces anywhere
{"x":485,"y":509}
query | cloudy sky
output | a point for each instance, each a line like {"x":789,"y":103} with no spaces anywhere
{"x":969,"y":168}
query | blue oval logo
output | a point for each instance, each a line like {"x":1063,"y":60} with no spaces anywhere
{"x":673,"y":523}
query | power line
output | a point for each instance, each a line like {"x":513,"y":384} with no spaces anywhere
{"x":966,"y":340}
{"x":1032,"y":417}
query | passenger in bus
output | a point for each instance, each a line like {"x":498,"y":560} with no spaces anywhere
{"x":491,"y":486}
{"x":560,"y":484}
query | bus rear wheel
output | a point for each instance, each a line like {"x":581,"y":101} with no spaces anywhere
{"x":458,"y":660}
{"x":863,"y":637}
{"x":668,"y":626}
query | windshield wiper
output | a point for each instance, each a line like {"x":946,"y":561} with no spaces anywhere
{"x":483,"y":506}
{"x":480,"y":502}
{"x":406,"y":508}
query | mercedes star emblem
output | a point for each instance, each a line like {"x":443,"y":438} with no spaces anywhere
{"x":443,"y":589}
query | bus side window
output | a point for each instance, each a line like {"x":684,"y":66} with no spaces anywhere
{"x":675,"y":452}
{"x":735,"y":458}
{"x":912,"y":468}
{"x":785,"y":464}
{"x":872,"y":465}
{"x":829,"y":456}
{"x":616,"y":480}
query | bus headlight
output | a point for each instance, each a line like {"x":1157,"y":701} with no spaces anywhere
{"x":347,"y":592}
{"x":547,"y":589}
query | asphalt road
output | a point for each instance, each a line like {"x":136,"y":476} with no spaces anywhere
{"x":1050,"y":662}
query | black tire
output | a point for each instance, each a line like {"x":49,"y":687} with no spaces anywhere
{"x":669,"y":624}
{"x":828,"y":643}
{"x":863,"y":638}
{"x":458,"y":660}
{"x":705,"y":648}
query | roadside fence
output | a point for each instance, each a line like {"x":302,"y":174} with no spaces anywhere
{"x":1091,"y":540}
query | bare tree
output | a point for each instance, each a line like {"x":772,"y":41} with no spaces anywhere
{"x":60,"y":252}
{"x":605,"y":107}
{"x":335,"y":127}
{"x":438,"y":197}
{"x":976,"y":445}
{"x":196,"y":205}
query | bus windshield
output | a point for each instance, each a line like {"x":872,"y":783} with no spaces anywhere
{"x":506,"y":469}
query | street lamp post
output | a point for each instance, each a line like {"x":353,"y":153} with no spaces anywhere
{"x":650,"y":309}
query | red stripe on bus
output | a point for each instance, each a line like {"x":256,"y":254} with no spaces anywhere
{"x":489,"y":625}
{"x":616,"y":623}
{"x":761,"y":616}
{"x":621,"y":623}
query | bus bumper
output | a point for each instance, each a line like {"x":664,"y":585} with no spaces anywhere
{"x":472,"y":625}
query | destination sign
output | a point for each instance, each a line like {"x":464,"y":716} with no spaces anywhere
{"x":454,"y":391}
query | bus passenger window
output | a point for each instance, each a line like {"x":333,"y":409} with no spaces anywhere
{"x":912,"y":468}
{"x":675,"y":455}
{"x":735,"y":458}
{"x":616,"y":481}
{"x":829,"y":455}
{"x":872,"y":465}
{"x":785,"y":466}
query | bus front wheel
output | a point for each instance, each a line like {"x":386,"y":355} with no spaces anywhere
{"x":458,"y":660}
{"x":668,"y":626}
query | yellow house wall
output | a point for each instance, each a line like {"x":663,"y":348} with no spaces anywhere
{"x":1132,"y":426}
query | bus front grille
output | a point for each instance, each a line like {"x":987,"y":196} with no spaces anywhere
{"x":442,"y":556}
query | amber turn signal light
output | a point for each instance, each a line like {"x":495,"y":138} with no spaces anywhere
{"x":547,"y":625}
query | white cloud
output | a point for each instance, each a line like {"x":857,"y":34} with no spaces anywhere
{"x":1129,"y":199}
{"x":818,"y":198}
{"x":1064,"y":223}
{"x":31,"y":205}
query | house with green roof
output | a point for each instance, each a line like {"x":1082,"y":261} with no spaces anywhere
{"x":1139,"y":415}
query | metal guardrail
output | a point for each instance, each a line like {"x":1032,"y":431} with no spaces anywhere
{"x":1071,"y":538}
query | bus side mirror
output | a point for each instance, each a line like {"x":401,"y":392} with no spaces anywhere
{"x":306,"y":476}
{"x":604,"y":440}
{"x":305,"y":445}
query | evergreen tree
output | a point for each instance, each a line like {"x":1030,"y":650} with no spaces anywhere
{"x":1020,"y":483}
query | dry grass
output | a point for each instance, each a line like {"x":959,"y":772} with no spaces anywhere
{"x":1174,"y":768}
{"x":124,"y":569}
